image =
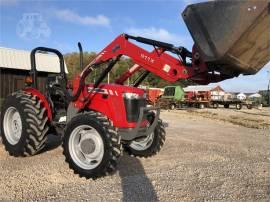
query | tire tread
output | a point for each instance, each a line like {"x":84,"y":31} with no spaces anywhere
{"x":115,"y":147}
{"x":154,"y":149}
{"x":36,"y":124}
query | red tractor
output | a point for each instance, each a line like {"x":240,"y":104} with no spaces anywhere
{"x":101,"y":118}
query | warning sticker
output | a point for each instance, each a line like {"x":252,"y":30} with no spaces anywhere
{"x":166,"y":68}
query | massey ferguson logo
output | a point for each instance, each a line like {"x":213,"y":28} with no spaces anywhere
{"x":103,"y":91}
{"x":147,"y":58}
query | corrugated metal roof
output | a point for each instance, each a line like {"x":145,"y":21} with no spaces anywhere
{"x":198,"y":88}
{"x":203,"y":88}
{"x":255,"y":95}
{"x":20,"y":59}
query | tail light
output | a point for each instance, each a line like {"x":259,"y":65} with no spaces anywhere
{"x":28,"y":80}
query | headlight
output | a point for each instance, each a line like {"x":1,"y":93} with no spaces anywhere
{"x":133,"y":96}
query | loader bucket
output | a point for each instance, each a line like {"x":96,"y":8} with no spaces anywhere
{"x":232,"y":36}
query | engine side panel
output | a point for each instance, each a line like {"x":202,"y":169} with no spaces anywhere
{"x":108,"y":99}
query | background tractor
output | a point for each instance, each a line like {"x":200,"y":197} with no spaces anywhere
{"x":171,"y":98}
{"x":98,"y":118}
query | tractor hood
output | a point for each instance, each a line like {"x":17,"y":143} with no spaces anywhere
{"x":233,"y":37}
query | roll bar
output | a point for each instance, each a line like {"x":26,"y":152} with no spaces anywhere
{"x":33,"y":71}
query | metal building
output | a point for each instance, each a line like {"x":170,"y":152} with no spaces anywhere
{"x":15,"y":66}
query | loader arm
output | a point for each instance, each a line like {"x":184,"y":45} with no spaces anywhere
{"x":157,"y":62}
{"x":198,"y":72}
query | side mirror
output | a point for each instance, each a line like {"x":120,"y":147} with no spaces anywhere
{"x":81,"y":55}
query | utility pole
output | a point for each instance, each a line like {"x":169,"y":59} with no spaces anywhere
{"x":95,"y":75}
{"x":128,"y":77}
{"x":268,"y":90}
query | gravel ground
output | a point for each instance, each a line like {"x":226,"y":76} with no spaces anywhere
{"x":204,"y":158}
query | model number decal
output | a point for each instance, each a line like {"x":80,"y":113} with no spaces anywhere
{"x":147,"y":58}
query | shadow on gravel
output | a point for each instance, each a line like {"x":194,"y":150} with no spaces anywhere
{"x":53,"y":142}
{"x":136,"y":186}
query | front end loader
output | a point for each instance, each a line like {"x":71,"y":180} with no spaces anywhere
{"x":98,"y":120}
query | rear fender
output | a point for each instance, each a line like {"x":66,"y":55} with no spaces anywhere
{"x":43,"y":99}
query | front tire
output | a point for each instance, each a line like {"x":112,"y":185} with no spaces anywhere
{"x":91,"y":145}
{"x":24,"y":124}
{"x":172,"y":106}
{"x":150,"y":145}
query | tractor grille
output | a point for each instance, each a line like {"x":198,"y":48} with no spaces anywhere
{"x":133,"y":108}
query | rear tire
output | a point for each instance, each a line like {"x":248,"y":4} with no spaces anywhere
{"x":215,"y":105}
{"x":91,"y":145}
{"x":201,"y":106}
{"x":24,"y":124}
{"x":238,"y":106}
{"x":147,"y":147}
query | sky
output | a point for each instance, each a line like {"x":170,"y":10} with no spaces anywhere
{"x":26,"y":24}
